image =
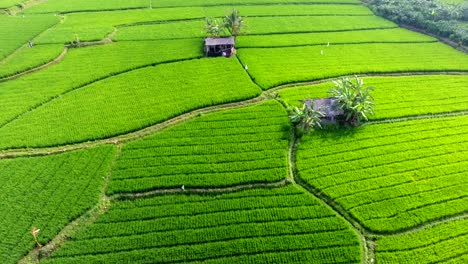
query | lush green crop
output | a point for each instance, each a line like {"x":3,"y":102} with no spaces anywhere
{"x":392,"y":176}
{"x":59,"y":6}
{"x":274,"y":66}
{"x":97,"y":25}
{"x":171,"y":3}
{"x":442,"y":243}
{"x":83,"y":66}
{"x":400,"y":96}
{"x":130,"y":101}
{"x":256,"y":25}
{"x":47,"y":192}
{"x":15,"y":31}
{"x":221,"y":149}
{"x":281,"y":225}
{"x":9,"y":3}
{"x":323,"y":38}
{"x":27,"y":58}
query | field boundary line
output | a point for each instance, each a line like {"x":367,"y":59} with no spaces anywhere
{"x":57,"y":96}
{"x":124,"y":138}
{"x":264,"y":96}
{"x":417,"y":117}
{"x":38,"y":68}
{"x":337,"y":44}
{"x":86,"y":219}
{"x":187,"y":190}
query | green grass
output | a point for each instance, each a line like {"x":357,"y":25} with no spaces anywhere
{"x":59,"y":6}
{"x":282,"y":225}
{"x":391,"y":176}
{"x":9,"y":3}
{"x":442,"y":243}
{"x":173,"y":3}
{"x":400,"y":96}
{"x":247,"y":145}
{"x":323,"y":38}
{"x":83,"y":66}
{"x":47,"y":192}
{"x":129,"y":102}
{"x":255,"y":25}
{"x":27,"y":58}
{"x":16,"y":31}
{"x":97,"y":25}
{"x":275,"y":66}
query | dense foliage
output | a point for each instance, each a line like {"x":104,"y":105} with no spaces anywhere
{"x":282,"y":225}
{"x":391,"y":176}
{"x":247,"y":145}
{"x":430,"y":15}
{"x":47,"y":192}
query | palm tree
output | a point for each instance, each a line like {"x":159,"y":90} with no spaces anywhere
{"x":305,"y":117}
{"x":234,"y":23}
{"x":354,"y":99}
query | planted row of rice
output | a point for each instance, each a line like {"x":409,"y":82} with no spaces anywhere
{"x":247,"y":145}
{"x":173,"y":3}
{"x":391,"y":176}
{"x":16,"y":31}
{"x":59,"y":6}
{"x":47,"y":193}
{"x":443,"y":243}
{"x":97,"y":25}
{"x":256,"y":26}
{"x":392,"y":35}
{"x":399,"y":96}
{"x":27,"y":58}
{"x":130,"y":101}
{"x":255,"y":226}
{"x":275,"y":66}
{"x":83,"y":66}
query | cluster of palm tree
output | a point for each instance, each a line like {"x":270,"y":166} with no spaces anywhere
{"x":231,"y":25}
{"x":351,"y":96}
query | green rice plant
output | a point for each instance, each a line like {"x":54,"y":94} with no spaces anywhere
{"x":47,"y":193}
{"x":253,"y":226}
{"x":16,"y":31}
{"x":9,"y":3}
{"x":399,"y":96}
{"x":84,"y":66}
{"x":59,"y":6}
{"x":391,"y":35}
{"x":27,"y":58}
{"x":271,"y":67}
{"x":256,"y":26}
{"x":129,"y":102}
{"x":440,"y":243}
{"x":97,"y":25}
{"x":247,"y":145}
{"x":174,"y":3}
{"x":391,"y":176}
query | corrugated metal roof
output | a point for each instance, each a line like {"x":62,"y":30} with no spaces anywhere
{"x":219,"y":41}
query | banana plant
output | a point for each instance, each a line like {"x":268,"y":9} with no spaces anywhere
{"x":305,"y":117}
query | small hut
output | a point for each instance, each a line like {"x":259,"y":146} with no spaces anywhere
{"x":219,"y":47}
{"x":328,"y":106}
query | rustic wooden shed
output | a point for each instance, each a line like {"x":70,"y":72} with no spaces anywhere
{"x":328,"y":106}
{"x":219,"y":46}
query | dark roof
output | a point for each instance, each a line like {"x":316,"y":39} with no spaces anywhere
{"x":328,"y":106}
{"x":219,"y":41}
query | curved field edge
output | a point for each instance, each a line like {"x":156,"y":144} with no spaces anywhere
{"x":399,"y":97}
{"x":315,"y":62}
{"x":47,"y":193}
{"x":263,"y":216}
{"x":385,"y":182}
{"x":131,"y":101}
{"x":439,"y":243}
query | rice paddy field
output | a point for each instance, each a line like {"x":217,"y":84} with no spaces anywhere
{"x":121,"y":142}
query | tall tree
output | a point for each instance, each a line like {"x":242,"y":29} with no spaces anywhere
{"x":234,"y":23}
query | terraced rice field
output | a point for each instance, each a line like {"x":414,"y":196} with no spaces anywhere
{"x":123,"y":144}
{"x":262,"y":226}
